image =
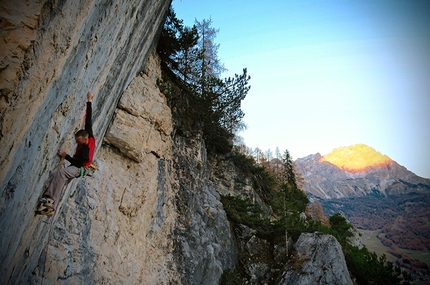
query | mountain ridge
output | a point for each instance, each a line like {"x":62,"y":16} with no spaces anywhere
{"x":356,"y":158}
{"x":325,"y":180}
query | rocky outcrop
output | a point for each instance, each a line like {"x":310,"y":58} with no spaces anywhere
{"x":356,"y":238}
{"x":318,"y":259}
{"x":52,"y":53}
{"x":262,"y":257}
{"x":143,"y":121}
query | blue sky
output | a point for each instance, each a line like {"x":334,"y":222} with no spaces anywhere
{"x":326,"y":74}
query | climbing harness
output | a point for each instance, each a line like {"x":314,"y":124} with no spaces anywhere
{"x":87,"y":171}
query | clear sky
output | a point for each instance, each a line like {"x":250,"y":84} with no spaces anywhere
{"x":326,"y":74}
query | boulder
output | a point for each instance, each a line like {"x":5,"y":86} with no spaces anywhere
{"x":317,"y":259}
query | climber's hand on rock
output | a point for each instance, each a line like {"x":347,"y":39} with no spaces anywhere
{"x":90,"y":96}
{"x":62,"y":153}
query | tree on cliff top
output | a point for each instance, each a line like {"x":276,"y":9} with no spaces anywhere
{"x":191,"y":54}
{"x":177,"y":45}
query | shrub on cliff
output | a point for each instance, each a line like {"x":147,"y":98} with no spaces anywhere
{"x":243,"y":211}
{"x":367,"y":268}
{"x":263,"y":182}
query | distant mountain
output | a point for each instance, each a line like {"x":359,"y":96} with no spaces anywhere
{"x":356,"y":171}
{"x":373,"y":191}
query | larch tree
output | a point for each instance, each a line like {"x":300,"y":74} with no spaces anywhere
{"x":317,"y":213}
{"x":210,"y":64}
{"x":278,"y":160}
{"x":258,"y":154}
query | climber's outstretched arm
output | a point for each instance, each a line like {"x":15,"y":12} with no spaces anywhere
{"x":88,"y":117}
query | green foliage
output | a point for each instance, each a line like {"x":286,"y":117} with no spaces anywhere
{"x":176,"y":41}
{"x":219,"y":109}
{"x":217,"y":139}
{"x":243,"y":211}
{"x":367,"y":268}
{"x":189,"y":56}
{"x":245,"y":163}
{"x":230,"y":277}
{"x":263,"y":182}
{"x":340,"y":228}
{"x":289,"y":177}
{"x":295,"y":199}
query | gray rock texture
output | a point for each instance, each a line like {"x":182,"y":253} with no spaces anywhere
{"x":318,"y":259}
{"x":123,"y":217}
{"x":149,"y":215}
{"x":204,"y":244}
{"x":52,"y":53}
{"x":356,"y":239}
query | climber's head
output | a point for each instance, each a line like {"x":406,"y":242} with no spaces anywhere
{"x":81,"y":137}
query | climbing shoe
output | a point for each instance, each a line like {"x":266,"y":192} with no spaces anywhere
{"x":45,"y":211}
{"x":45,"y":201}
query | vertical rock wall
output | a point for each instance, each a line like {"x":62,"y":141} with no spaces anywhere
{"x":150,"y":214}
{"x":52,"y":53}
{"x":204,"y":242}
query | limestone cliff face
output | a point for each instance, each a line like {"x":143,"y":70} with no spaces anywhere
{"x":121,"y":220}
{"x":151,"y":214}
{"x":52,"y":53}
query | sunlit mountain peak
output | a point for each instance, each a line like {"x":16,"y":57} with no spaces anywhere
{"x":356,"y":158}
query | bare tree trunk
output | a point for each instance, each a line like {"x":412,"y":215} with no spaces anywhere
{"x":286,"y":232}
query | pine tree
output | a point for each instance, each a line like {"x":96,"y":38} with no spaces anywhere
{"x":289,"y":174}
{"x":192,"y":55}
{"x":176,"y":46}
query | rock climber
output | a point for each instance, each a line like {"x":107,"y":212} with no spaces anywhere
{"x":80,"y":162}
